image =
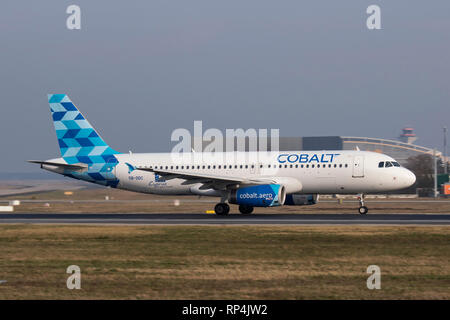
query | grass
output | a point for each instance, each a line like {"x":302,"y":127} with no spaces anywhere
{"x":224,"y":262}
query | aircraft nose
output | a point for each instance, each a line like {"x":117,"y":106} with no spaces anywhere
{"x":409,"y":178}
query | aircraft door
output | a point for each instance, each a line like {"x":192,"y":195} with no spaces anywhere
{"x":358,"y":166}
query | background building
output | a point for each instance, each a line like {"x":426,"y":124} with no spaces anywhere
{"x":400,"y":149}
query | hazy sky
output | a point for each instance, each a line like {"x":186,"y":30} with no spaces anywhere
{"x":140,"y":69}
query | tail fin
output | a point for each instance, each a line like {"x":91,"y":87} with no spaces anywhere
{"x":78,"y":140}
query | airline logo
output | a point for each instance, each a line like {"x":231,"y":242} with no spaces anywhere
{"x":131,"y":168}
{"x":307,"y":158}
{"x":158,"y":178}
{"x":254,"y":195}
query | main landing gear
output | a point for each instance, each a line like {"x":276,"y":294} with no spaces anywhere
{"x":222,"y":209}
{"x":362,"y":208}
{"x":245,"y":209}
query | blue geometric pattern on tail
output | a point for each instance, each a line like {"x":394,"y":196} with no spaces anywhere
{"x":80,"y":143}
{"x":78,"y":140}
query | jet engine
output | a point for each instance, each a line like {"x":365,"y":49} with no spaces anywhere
{"x":266,"y":195}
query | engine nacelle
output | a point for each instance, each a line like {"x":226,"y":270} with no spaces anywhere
{"x":296,"y":199}
{"x":266,"y":195}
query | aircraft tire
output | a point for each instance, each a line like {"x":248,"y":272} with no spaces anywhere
{"x":363,"y":210}
{"x":245,"y":209}
{"x":222,"y":209}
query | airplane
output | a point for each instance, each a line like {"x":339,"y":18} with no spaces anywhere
{"x":247,"y":179}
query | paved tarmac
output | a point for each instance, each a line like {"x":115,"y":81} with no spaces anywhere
{"x":232,"y":219}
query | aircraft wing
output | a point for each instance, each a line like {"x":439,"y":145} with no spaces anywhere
{"x":208,"y":180}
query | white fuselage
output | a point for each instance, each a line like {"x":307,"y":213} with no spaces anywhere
{"x":321,"y":172}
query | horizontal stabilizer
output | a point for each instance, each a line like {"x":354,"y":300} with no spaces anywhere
{"x":75,"y":166}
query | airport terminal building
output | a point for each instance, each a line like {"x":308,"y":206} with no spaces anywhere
{"x":398,"y":150}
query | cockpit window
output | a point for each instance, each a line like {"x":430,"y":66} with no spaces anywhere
{"x":388,"y":164}
{"x":396,"y":164}
{"x":381,"y":164}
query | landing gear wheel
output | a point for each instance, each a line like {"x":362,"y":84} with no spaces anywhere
{"x":363,"y":210}
{"x":245,"y":209}
{"x":222,"y":209}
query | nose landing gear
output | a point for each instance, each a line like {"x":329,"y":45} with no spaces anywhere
{"x":362,"y":208}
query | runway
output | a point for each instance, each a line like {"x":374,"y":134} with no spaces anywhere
{"x":232,"y":219}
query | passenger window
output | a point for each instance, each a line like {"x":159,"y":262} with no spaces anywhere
{"x":346,"y":165}
{"x":318,"y":166}
{"x":269,"y":166}
{"x":246,"y":166}
{"x":307,"y":165}
{"x":381,"y":164}
{"x":340,"y":166}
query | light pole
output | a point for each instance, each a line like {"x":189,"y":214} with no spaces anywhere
{"x":445,"y":151}
{"x":435,"y":173}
